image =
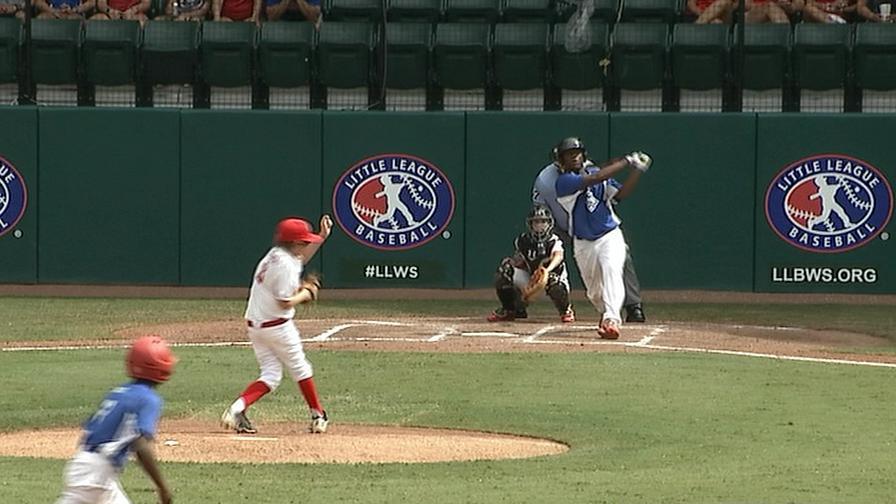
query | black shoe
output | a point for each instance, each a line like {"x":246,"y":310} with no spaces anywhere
{"x":520,"y":314}
{"x":635,"y":313}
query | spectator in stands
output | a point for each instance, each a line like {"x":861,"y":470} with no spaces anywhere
{"x":63,"y":9}
{"x":186,"y":10}
{"x":829,"y":11}
{"x":757,"y":11}
{"x":773,"y":11}
{"x":310,"y":9}
{"x":132,"y":10}
{"x":10,"y":8}
{"x":237,"y":10}
{"x":870,"y":11}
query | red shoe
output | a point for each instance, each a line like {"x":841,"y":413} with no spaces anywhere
{"x":568,"y":317}
{"x":609,"y":329}
{"x":501,"y":315}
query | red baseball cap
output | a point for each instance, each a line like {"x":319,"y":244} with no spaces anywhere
{"x":296,"y":230}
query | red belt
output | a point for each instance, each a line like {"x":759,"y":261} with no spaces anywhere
{"x":269,"y":323}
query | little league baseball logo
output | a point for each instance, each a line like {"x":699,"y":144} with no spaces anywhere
{"x":393,"y":201}
{"x":13,"y":196}
{"x":828,"y":203}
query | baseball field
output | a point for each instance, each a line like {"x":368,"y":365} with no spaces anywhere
{"x":718,"y":398}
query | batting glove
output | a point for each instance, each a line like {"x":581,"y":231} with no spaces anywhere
{"x":639,"y":161}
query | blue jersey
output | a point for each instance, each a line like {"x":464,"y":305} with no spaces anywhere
{"x":590,"y":209}
{"x":126,"y":413}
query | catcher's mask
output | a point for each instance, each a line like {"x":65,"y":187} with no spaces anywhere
{"x":566,"y":145}
{"x":540,"y":222}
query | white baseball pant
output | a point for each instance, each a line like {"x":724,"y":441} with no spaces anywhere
{"x":278,"y":346}
{"x":91,"y":479}
{"x":601,"y":263}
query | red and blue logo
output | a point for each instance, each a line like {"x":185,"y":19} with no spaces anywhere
{"x":13,"y":196}
{"x":393,"y":201}
{"x":829,"y":203}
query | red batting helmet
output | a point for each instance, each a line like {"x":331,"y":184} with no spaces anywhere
{"x":150,"y":359}
{"x":296,"y":230}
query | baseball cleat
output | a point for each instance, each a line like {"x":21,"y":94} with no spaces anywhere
{"x":568,"y":317}
{"x":635,"y":313}
{"x":609,"y":329}
{"x":319,"y":423}
{"x":238,"y":422}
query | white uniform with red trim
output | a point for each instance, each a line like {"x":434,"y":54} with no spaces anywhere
{"x":271,"y":330}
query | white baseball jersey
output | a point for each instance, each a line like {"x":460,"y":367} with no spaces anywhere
{"x":277,"y":277}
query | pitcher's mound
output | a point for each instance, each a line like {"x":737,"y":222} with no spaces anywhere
{"x":195,"y":441}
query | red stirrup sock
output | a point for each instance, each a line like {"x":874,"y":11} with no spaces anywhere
{"x":255,"y":391}
{"x":310,"y":392}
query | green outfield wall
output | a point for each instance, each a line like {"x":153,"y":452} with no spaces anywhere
{"x":771,"y":203}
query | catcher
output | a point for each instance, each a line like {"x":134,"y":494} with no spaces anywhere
{"x":277,"y":287}
{"x":536,"y":266}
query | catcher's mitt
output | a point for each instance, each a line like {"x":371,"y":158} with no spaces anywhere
{"x":312,"y":284}
{"x":537,"y":283}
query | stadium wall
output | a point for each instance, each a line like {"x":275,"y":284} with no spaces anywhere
{"x":171,"y":197}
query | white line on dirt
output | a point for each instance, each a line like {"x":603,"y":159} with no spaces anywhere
{"x":442,"y":334}
{"x":491,"y":334}
{"x":381,"y":322}
{"x":394,"y":340}
{"x":333,"y":330}
{"x":771,"y":356}
{"x":532,"y":337}
{"x":656,"y":331}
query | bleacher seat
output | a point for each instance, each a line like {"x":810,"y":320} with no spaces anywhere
{"x":604,"y":10}
{"x":472,"y":11}
{"x":353,"y":10}
{"x":699,"y":56}
{"x":639,"y":55}
{"x":663,"y":11}
{"x":110,"y":51}
{"x":766,"y":56}
{"x":344,"y":54}
{"x":820,"y":56}
{"x":170,"y":52}
{"x":461,"y":55}
{"x":408,"y":55}
{"x":536,"y":11}
{"x":414,"y":10}
{"x":520,"y":52}
{"x":10,"y":42}
{"x":226,"y":53}
{"x":284,"y":54}
{"x":581,"y":70}
{"x":875,"y":56}
{"x":55,"y":50}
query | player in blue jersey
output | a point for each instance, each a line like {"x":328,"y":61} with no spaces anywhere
{"x":125,"y":423}
{"x":585,"y":195}
{"x":544,"y":192}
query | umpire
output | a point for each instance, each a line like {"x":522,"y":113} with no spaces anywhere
{"x":544,"y":192}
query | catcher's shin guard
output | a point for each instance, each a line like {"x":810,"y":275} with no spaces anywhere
{"x":558,"y":292}
{"x":508,"y":294}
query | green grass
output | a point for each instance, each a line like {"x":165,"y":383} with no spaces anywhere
{"x":643,"y":428}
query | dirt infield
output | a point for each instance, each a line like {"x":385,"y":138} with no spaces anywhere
{"x":196,"y":441}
